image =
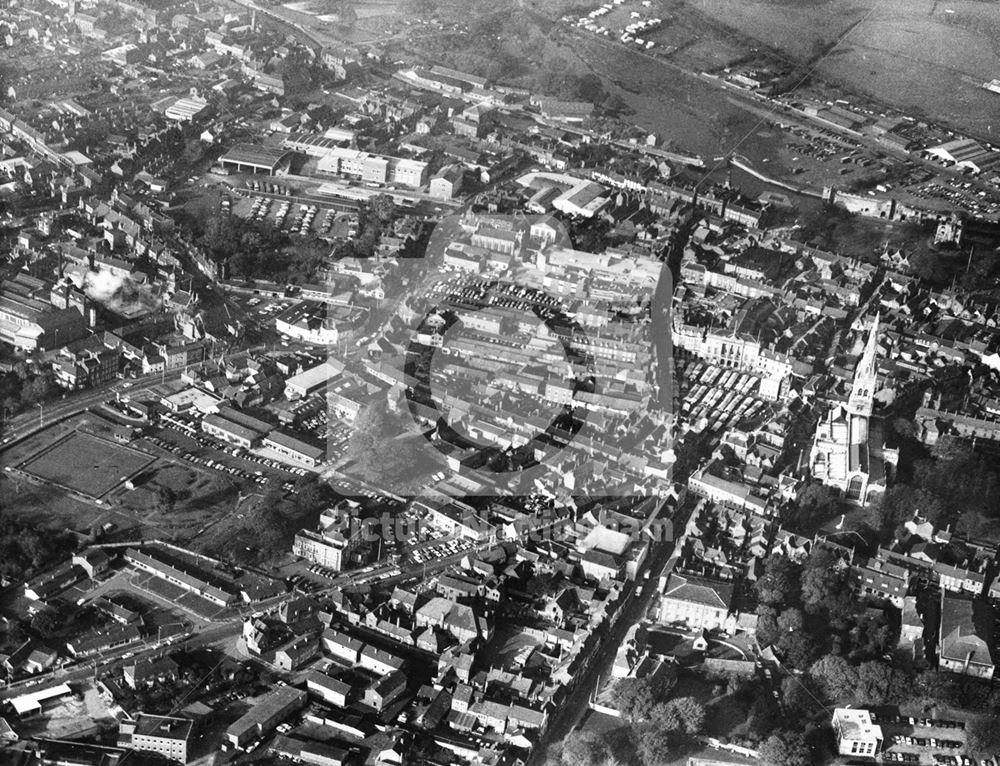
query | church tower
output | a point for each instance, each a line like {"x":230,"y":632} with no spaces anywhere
{"x":861,"y":401}
{"x":865,"y":376}
{"x":847,"y":452}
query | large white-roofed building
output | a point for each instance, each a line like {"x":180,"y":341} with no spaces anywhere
{"x":312,"y":380}
{"x":186,"y":108}
{"x":856,"y":734}
{"x":965,"y":153}
{"x":373,"y":167}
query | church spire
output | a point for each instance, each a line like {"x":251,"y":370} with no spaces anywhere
{"x":867,"y":363}
{"x":866,"y":375}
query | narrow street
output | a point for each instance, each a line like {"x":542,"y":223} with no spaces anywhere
{"x":572,"y":709}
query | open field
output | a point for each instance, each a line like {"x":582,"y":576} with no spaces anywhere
{"x":85,"y":464}
{"x":919,"y":55}
{"x":681,"y":110}
{"x":61,"y":481}
{"x":33,"y":501}
{"x":200,"y":499}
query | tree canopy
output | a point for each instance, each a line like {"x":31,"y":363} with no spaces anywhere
{"x":634,"y":697}
{"x":25,"y":547}
{"x":685,"y":715}
{"x":785,"y":748}
{"x":584,"y":748}
{"x":654,"y":745}
{"x":982,"y":737}
{"x":953,"y":485}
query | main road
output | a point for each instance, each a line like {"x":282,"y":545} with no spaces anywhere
{"x":72,"y":403}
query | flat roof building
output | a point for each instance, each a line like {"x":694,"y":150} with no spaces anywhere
{"x":295,"y":449}
{"x":312,"y":380}
{"x":159,"y":734}
{"x":856,"y":734}
{"x":373,"y":167}
{"x":253,"y":158}
{"x":234,"y":427}
{"x":265,"y":713}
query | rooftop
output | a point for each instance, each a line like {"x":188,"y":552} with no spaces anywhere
{"x":163,"y":726}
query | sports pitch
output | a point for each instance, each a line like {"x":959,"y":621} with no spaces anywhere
{"x":86,"y":464}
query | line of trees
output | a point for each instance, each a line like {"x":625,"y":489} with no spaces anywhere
{"x":23,"y":388}
{"x":26,"y":547}
{"x":953,"y":485}
{"x":659,"y":727}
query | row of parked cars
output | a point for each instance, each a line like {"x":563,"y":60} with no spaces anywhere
{"x":963,"y":760}
{"x":257,"y":477}
{"x":434,"y":552}
{"x":303,"y":584}
{"x":893,"y":757}
{"x":901,"y":739}
{"x":910,"y":720}
{"x":323,"y":571}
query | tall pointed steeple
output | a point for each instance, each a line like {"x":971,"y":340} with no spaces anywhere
{"x":865,"y":376}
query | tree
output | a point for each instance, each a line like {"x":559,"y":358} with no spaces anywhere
{"x":764,"y":716}
{"x":165,"y":498}
{"x":46,"y":623}
{"x":779,"y":584}
{"x":309,"y":495}
{"x":785,"y":748}
{"x":634,"y":698}
{"x":767,"y":624}
{"x":821,"y":581}
{"x":590,"y":88}
{"x":584,"y":748}
{"x":799,"y":648}
{"x":815,"y":505}
{"x":877,"y":684}
{"x":872,"y":636}
{"x":383,"y":207}
{"x":790,"y":621}
{"x":38,"y":388}
{"x":929,"y":267}
{"x":899,"y":503}
{"x":905,"y":427}
{"x":796,"y":695}
{"x":982,"y":737}
{"x":684,"y":714}
{"x":836,"y":678}
{"x":655,"y":745}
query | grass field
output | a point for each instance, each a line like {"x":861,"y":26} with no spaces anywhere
{"x":86,"y":464}
{"x":924,"y":55}
{"x":36,"y":501}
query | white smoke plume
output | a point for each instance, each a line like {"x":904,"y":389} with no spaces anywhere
{"x":121,"y":295}
{"x":101,"y":286}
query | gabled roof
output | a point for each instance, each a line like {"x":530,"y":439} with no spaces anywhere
{"x":965,"y":632}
